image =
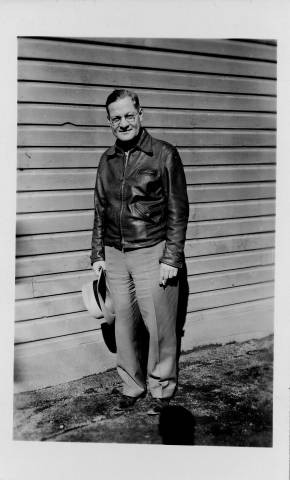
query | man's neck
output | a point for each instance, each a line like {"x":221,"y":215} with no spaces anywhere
{"x":126,"y":146}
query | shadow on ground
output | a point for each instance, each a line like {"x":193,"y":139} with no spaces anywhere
{"x":227,"y":388}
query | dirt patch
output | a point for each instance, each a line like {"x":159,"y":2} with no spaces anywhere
{"x":227,"y":388}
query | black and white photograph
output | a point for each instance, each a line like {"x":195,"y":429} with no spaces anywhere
{"x":145,"y":240}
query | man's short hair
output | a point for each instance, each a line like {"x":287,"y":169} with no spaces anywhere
{"x":122,"y":93}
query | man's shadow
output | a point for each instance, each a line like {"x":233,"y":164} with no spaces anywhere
{"x":181,"y":308}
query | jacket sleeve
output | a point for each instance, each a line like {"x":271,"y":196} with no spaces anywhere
{"x":98,"y":252}
{"x":177,"y":209}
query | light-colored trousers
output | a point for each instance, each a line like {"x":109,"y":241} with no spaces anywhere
{"x":133,"y":277}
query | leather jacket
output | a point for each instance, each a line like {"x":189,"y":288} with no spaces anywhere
{"x":141,"y":200}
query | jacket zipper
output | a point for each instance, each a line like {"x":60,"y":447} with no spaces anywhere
{"x":122,"y":197}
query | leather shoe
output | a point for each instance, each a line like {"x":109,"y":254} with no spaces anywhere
{"x":157,"y":404}
{"x":127,"y":402}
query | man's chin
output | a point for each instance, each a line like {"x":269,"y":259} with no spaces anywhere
{"x":126,"y":137}
{"x":127,"y":134}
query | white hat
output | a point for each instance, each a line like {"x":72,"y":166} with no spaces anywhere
{"x":97,"y":298}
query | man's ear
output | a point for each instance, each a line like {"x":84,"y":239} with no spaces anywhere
{"x":108,"y":120}
{"x":140,"y":113}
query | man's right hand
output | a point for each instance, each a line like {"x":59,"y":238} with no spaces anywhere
{"x":97,"y":266}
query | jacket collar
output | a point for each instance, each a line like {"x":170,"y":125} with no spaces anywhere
{"x":144,"y":143}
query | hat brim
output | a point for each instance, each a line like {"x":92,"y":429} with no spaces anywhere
{"x":90,"y":300}
{"x":97,"y":299}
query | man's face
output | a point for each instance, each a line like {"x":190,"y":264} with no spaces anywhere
{"x":124,"y":119}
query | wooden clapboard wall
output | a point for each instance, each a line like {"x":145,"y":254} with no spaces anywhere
{"x":214,"y":99}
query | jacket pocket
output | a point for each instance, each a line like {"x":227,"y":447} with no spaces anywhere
{"x":151,"y":212}
{"x":151,"y":172}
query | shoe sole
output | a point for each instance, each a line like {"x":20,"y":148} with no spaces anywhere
{"x":153,"y":412}
{"x":133,"y":404}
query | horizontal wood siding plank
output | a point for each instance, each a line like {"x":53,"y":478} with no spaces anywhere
{"x":54,"y":284}
{"x":53,"y":327}
{"x":54,"y":222}
{"x":229,"y":296}
{"x":236,"y":243}
{"x":226,"y":192}
{"x":57,"y":343}
{"x":52,"y":201}
{"x":118,"y":55}
{"x":56,"y":180}
{"x":65,"y":262}
{"x":39,"y":244}
{"x":32,"y":223}
{"x":48,"y":306}
{"x":50,"y":264}
{"x":224,"y":261}
{"x":83,"y":199}
{"x":230,"y":227}
{"x":70,"y":303}
{"x":89,"y":157}
{"x":214,"y":46}
{"x":238,"y":209}
{"x":231,"y":278}
{"x":96,"y":137}
{"x":224,"y":174}
{"x":59,"y":115}
{"x":85,"y":178}
{"x":91,"y":95}
{"x":139,"y":78}
{"x":51,"y":243}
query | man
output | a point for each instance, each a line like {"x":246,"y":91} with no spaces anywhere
{"x":141,"y":214}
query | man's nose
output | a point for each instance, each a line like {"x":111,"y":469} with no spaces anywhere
{"x":124,"y":122}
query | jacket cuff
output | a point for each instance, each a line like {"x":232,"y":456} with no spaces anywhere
{"x":97,"y":256}
{"x":173,"y":262}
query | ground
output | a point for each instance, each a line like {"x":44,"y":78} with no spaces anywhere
{"x":227,"y":388}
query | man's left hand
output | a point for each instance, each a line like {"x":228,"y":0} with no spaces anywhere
{"x":166,"y":272}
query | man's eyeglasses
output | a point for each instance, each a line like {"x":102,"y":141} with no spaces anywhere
{"x":130,"y":118}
